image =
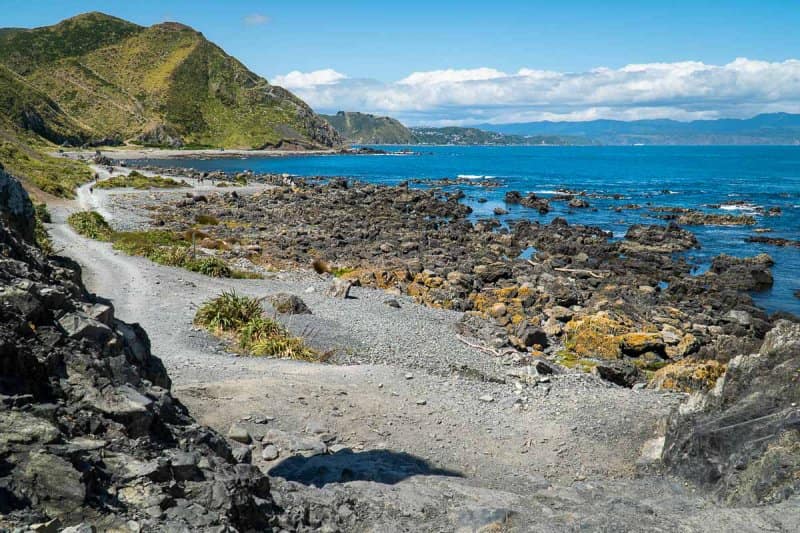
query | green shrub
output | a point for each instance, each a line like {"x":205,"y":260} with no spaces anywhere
{"x":228,"y":312}
{"x":209,"y":266}
{"x":42,"y":213}
{"x":242,"y":319}
{"x":43,"y":240}
{"x":91,"y":224}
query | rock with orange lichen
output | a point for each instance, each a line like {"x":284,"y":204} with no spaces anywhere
{"x":688,"y":375}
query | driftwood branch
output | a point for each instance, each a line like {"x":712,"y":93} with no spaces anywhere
{"x":495,"y":353}
{"x":599,"y":274}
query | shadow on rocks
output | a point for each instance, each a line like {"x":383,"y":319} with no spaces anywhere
{"x":381,"y":466}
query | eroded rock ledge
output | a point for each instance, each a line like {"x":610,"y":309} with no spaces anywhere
{"x":89,"y":432}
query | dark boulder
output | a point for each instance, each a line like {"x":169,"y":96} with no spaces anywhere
{"x":742,"y":440}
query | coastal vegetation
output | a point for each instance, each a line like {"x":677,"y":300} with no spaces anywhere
{"x":160,"y":246}
{"x":41,"y":235}
{"x":137,"y":180}
{"x":241,"y":320}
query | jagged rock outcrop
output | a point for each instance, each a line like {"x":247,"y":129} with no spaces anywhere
{"x":17,"y":209}
{"x":743,"y":439}
{"x":89,"y":432}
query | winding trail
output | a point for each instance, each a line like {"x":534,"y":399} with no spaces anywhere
{"x":562,"y":458}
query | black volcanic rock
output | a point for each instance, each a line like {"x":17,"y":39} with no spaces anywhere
{"x":89,"y":432}
{"x":743,"y":438}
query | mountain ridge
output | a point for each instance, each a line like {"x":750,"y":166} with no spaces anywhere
{"x":765,"y":128}
{"x":163,"y":85}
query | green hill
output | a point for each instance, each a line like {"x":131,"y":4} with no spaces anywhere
{"x":99,"y":80}
{"x":163,"y":85}
{"x":362,"y":128}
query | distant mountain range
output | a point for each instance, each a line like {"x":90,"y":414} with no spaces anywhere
{"x":363,"y":128}
{"x":772,"y":128}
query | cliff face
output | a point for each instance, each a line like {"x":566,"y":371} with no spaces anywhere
{"x":89,"y":431}
{"x":362,"y":128}
{"x":100,"y":78}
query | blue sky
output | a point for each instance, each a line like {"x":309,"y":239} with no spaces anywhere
{"x":362,"y":51}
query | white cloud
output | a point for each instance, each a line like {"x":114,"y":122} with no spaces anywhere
{"x":452,"y":76}
{"x":682,"y":90}
{"x":308,"y":80}
{"x":256,"y":19}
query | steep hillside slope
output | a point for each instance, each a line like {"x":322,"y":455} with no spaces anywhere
{"x":165,"y":85}
{"x":363,"y":128}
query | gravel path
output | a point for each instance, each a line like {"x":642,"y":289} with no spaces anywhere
{"x":550,"y":454}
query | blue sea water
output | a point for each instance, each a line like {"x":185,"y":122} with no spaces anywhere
{"x":670,"y":176}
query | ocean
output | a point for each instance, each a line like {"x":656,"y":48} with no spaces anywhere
{"x":714,"y":179}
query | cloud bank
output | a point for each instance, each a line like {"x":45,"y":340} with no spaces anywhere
{"x":683,"y":90}
{"x":256,"y":19}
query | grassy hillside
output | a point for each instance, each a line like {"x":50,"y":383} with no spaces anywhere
{"x":99,"y":80}
{"x":165,"y":85}
{"x":31,"y":121}
{"x":362,"y":128}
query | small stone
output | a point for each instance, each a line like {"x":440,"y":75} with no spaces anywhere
{"x":422,"y":402}
{"x":409,"y":376}
{"x":242,"y":454}
{"x":488,"y":398}
{"x":340,"y":288}
{"x":270,"y":452}
{"x":239,"y":434}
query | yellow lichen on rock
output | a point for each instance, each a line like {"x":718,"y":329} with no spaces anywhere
{"x":595,"y":335}
{"x":688,"y":375}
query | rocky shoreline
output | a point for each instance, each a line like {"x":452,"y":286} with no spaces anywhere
{"x":629,"y":310}
{"x":93,"y":438}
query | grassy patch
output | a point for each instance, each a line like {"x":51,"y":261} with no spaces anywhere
{"x":160,"y":246}
{"x":91,"y":224}
{"x":341,"y":271}
{"x":170,"y":249}
{"x":43,"y":240}
{"x":56,"y":176}
{"x":241,"y":319}
{"x":136,"y":180}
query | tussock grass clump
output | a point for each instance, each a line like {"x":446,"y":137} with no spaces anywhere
{"x":43,"y":240}
{"x":206,"y":220}
{"x":228,"y":313}
{"x":320,"y":266}
{"x":242,"y":319}
{"x":91,"y":224}
{"x":136,"y":180}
